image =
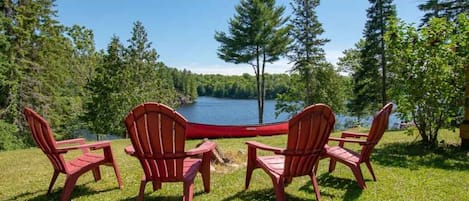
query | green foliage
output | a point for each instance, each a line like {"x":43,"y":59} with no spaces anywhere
{"x":317,"y":81}
{"x":306,"y":51}
{"x":240,"y":86}
{"x":351,"y":61}
{"x":130,"y":76}
{"x":370,"y":80}
{"x":8,"y":139}
{"x":330,"y":89}
{"x":348,"y":64}
{"x":39,"y":67}
{"x":351,"y":64}
{"x":183,"y":81}
{"x":56,"y":71}
{"x":144,"y":81}
{"x":429,"y":68}
{"x":290,"y":101}
{"x":104,"y":111}
{"x":448,"y":9}
{"x":257,"y":36}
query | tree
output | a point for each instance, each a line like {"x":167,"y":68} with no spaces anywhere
{"x":306,"y":51}
{"x":104,"y":111}
{"x":430,"y":77}
{"x":309,"y":62}
{"x":443,"y":8}
{"x":350,"y":63}
{"x":126,"y":77}
{"x":144,"y":83}
{"x":370,"y":81}
{"x":257,"y":36}
{"x":38,"y":66}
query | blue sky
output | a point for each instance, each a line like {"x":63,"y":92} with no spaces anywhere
{"x":182,"y":31}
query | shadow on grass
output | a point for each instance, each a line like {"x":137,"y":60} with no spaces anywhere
{"x":262,"y":195}
{"x":352,"y":191}
{"x":78,"y":191}
{"x":148,"y":197}
{"x":414,"y":155}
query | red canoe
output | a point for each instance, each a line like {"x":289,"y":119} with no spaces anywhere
{"x":197,"y":130}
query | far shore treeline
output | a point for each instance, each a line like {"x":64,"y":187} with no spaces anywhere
{"x":57,"y":70}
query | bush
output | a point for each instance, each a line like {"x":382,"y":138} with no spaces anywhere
{"x":8,"y":139}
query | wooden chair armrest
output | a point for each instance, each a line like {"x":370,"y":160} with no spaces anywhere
{"x":71,"y":141}
{"x":353,"y":134}
{"x":348,"y":140}
{"x":130,"y":150}
{"x":92,"y":146}
{"x":258,"y":145}
{"x":205,"y":147}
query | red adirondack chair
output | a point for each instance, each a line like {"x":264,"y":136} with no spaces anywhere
{"x":42,"y":135}
{"x":353,"y":159}
{"x":308,"y":132}
{"x":158,"y":136}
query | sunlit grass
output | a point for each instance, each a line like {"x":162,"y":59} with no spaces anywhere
{"x":405,"y":171}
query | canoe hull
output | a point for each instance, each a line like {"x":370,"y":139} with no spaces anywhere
{"x":197,"y":130}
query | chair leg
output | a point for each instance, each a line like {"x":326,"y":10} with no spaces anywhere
{"x":205,"y":171}
{"x":332,"y":164}
{"x":68,"y":187}
{"x":368,"y":164}
{"x":359,"y":176}
{"x":141,"y":192}
{"x":52,"y":181}
{"x":279,"y":188}
{"x":188,"y":191}
{"x":108,"y":154}
{"x":96,"y":173}
{"x":316,"y":166}
{"x":314,"y":181}
{"x":251,"y":165}
{"x":249,"y":170}
{"x":156,"y":185}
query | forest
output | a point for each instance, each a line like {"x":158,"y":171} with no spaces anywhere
{"x":57,"y":70}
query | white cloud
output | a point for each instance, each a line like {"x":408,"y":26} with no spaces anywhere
{"x":280,"y":66}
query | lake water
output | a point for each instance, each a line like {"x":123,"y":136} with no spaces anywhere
{"x":210,"y":110}
{"x":221,"y":111}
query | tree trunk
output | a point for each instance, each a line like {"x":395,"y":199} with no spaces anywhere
{"x":464,"y":128}
{"x":260,"y":108}
{"x":383,"y":60}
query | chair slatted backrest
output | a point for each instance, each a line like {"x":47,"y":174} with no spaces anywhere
{"x":158,"y":136}
{"x":378,"y":126}
{"x":42,"y":135}
{"x":308,"y":132}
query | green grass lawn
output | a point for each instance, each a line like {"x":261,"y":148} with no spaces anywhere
{"x":405,"y":171}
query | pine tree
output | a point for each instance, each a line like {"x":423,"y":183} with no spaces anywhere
{"x":351,"y":62}
{"x":370,"y":81}
{"x":104,"y":111}
{"x":307,"y":55}
{"x":37,"y":61}
{"x":306,"y":51}
{"x":443,"y":8}
{"x":144,"y":83}
{"x":257,"y":36}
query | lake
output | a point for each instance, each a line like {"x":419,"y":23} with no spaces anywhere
{"x":210,"y":110}
{"x":222,"y":111}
